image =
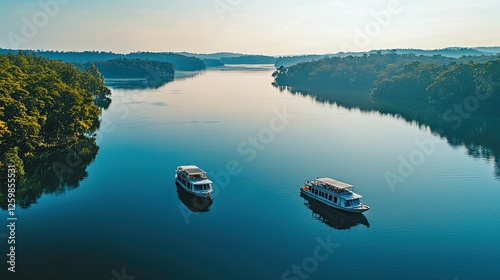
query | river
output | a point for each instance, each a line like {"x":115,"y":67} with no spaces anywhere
{"x":434,"y":208}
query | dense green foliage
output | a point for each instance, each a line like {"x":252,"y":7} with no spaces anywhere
{"x":432,"y":80}
{"x":45,"y":103}
{"x":445,"y":86}
{"x":180,"y":62}
{"x":286,"y":61}
{"x":135,"y":68}
{"x":351,"y":71}
{"x":71,"y":56}
{"x":479,"y":54}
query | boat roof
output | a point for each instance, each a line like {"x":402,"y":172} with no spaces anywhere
{"x":334,"y":183}
{"x":202,"y":182}
{"x":192,"y":169}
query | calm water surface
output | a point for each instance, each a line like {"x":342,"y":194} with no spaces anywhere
{"x":440,"y":221}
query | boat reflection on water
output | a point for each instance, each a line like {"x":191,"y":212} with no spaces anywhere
{"x":336,"y":219}
{"x":193,"y":202}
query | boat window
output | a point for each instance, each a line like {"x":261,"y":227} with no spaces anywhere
{"x":334,"y":199}
{"x":355,"y":202}
{"x":329,"y":197}
{"x":347,"y":203}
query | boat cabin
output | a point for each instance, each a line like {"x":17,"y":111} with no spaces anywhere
{"x":334,"y":192}
{"x":194,"y":180}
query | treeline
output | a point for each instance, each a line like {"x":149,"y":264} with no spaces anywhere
{"x":286,"y":61}
{"x":444,"y":85}
{"x":478,"y":54}
{"x":249,"y":59}
{"x":221,"y":58}
{"x":180,"y":62}
{"x":134,"y":68}
{"x":433,"y":80}
{"x":45,"y":103}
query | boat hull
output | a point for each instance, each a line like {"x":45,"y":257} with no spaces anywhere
{"x":333,"y":217}
{"x":357,"y":210}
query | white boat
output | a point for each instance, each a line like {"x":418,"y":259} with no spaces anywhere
{"x":193,"y":180}
{"x":334,"y":193}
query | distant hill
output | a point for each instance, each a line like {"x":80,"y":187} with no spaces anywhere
{"x":448,"y":52}
{"x":72,"y":57}
{"x":180,"y":62}
{"x":494,"y":50}
{"x":286,"y":61}
{"x":249,"y":59}
{"x":135,"y":69}
{"x":217,"y":56}
{"x":213,"y":62}
{"x":232,"y":58}
{"x":453,"y":52}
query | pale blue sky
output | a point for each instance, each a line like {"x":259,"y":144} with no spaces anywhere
{"x":266,"y":27}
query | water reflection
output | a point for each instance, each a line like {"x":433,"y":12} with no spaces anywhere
{"x":334,"y":218}
{"x":186,"y":75}
{"x":143,"y":83}
{"x":477,"y":133}
{"x":53,"y":171}
{"x":193,"y":202}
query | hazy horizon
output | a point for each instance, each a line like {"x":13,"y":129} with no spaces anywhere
{"x":235,"y":52}
{"x":271,"y":28}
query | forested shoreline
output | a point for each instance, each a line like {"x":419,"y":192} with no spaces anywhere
{"x":434,"y":81}
{"x":457,"y":100}
{"x":44,"y":104}
{"x":133,"y":68}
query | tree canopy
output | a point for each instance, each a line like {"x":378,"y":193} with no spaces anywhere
{"x":431,"y":80}
{"x":45,"y":103}
{"x":134,"y":68}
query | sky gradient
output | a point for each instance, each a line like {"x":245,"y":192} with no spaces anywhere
{"x":255,"y":27}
